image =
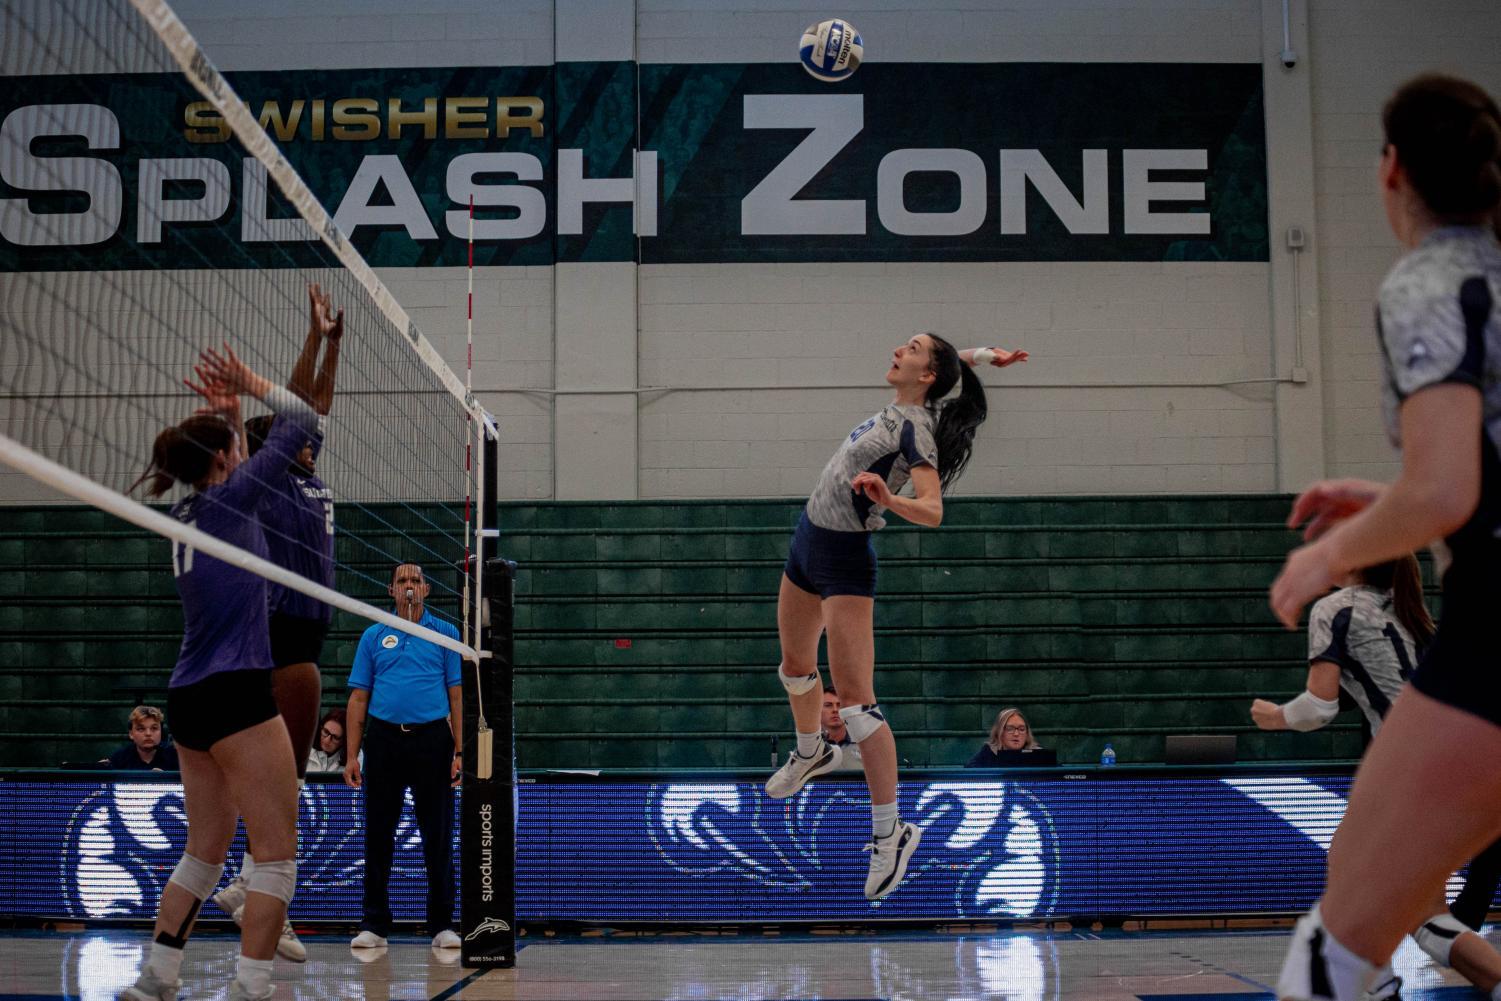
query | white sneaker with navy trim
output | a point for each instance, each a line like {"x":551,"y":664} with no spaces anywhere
{"x":888,"y":859}
{"x":798,"y":770}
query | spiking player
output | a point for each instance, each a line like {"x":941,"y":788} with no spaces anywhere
{"x":829,"y":585}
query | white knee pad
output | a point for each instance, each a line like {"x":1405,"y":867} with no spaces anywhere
{"x":196,"y":876}
{"x":862,"y":721}
{"x":274,"y":879}
{"x":798,"y":686}
{"x":1437,"y":936}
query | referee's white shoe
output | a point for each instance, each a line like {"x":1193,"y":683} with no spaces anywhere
{"x":888,"y":859}
{"x":798,"y":770}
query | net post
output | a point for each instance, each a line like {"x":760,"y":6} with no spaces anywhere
{"x":487,"y":844}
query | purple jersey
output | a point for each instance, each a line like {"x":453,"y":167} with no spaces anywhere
{"x":298,"y":516}
{"x":223,"y":607}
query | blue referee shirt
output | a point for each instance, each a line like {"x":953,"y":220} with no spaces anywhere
{"x":407,"y":678}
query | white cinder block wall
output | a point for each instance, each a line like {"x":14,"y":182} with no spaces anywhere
{"x":1360,"y":51}
{"x":1145,"y":377}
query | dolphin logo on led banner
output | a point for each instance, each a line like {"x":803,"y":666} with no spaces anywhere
{"x":123,"y":839}
{"x":1003,"y":839}
{"x":687,"y":828}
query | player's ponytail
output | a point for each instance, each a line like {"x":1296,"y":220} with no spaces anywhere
{"x":185,"y":453}
{"x":1405,"y":581}
{"x":958,"y":417}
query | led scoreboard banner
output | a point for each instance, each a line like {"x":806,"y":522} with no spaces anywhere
{"x":707,"y":848}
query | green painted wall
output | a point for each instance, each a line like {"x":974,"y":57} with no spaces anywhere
{"x":646,"y":632}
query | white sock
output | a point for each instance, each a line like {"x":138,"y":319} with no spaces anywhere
{"x":807,"y":743}
{"x":883,"y":819}
{"x":165,"y":962}
{"x":254,"y":975}
{"x":247,"y":868}
{"x":1496,"y":993}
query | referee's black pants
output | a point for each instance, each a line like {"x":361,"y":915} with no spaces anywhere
{"x":418,"y":757}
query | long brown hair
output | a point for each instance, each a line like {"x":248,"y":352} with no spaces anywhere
{"x":184,"y":453}
{"x":998,"y":727}
{"x":1404,"y":580}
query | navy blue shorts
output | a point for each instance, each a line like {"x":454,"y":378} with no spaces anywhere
{"x":1458,"y":666}
{"x":825,"y":562}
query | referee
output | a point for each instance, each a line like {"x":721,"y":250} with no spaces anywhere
{"x":405,"y":713}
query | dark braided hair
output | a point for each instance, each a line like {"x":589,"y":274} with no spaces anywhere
{"x":959,"y":418}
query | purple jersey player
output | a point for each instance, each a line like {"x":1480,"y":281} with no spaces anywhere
{"x":233,"y":746}
{"x":297,"y":512}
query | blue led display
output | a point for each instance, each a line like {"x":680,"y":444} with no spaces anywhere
{"x":1017,"y":846}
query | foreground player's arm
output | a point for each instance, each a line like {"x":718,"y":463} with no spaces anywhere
{"x":1312,"y":710}
{"x":1437,"y":492}
{"x":924,"y":509}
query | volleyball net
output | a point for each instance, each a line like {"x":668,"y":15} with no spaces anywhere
{"x":99,"y":339}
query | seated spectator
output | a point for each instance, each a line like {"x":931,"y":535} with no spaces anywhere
{"x":328,"y":751}
{"x":835,"y":733}
{"x":145,"y":752}
{"x":1010,"y":737}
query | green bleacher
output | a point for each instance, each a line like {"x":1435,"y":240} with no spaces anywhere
{"x":646,"y":631}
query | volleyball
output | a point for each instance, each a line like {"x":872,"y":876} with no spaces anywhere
{"x":831,"y":50}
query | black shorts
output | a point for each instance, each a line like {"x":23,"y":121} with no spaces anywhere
{"x":826,"y":562}
{"x":1459,"y":666}
{"x":295,"y":640}
{"x":219,"y":706}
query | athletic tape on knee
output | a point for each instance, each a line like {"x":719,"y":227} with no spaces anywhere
{"x":862,"y":721}
{"x":275,"y":879}
{"x":196,"y":876}
{"x":1437,"y":936}
{"x":798,"y":686}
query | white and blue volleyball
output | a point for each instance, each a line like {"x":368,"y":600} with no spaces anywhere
{"x":831,"y":50}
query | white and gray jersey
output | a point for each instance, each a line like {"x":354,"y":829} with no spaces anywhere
{"x":1356,"y":628}
{"x":889,"y":445}
{"x":1439,"y":322}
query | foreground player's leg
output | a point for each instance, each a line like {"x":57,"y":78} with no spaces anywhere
{"x":211,"y":825}
{"x":849,"y":622}
{"x":799,"y":624}
{"x":1418,"y":785}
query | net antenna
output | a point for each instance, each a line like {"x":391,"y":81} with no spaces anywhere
{"x":93,"y":352}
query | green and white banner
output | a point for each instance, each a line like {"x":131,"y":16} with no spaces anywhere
{"x":654,"y":163}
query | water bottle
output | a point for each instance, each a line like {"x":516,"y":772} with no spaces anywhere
{"x":1107,"y":757}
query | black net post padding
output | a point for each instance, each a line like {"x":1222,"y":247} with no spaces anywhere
{"x":487,"y":845}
